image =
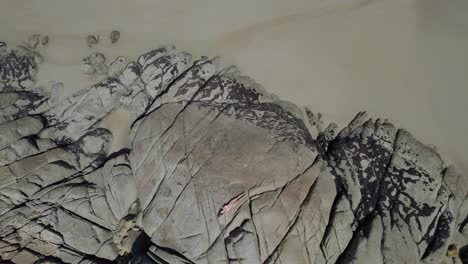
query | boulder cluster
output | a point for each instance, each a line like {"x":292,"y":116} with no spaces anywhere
{"x":219,"y":171}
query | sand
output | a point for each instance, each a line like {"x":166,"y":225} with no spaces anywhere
{"x":405,"y":60}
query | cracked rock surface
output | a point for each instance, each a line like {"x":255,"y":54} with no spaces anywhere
{"x":219,"y":171}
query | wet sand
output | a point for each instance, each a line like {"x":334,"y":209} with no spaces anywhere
{"x":397,"y":59}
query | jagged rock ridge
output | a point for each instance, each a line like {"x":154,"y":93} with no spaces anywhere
{"x":219,"y":172}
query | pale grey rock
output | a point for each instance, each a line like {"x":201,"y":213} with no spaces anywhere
{"x":86,"y":237}
{"x":23,"y":179}
{"x":25,"y":256}
{"x":184,"y":180}
{"x":117,"y":66}
{"x":219,"y":171}
{"x":34,"y":40}
{"x":13,"y":131}
{"x":92,"y":40}
{"x":45,"y":40}
{"x":159,"y":255}
{"x":14,"y":105}
{"x":87,"y":68}
{"x":76,"y":115}
{"x":94,"y":63}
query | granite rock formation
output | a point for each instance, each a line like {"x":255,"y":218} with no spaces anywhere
{"x":219,"y":171}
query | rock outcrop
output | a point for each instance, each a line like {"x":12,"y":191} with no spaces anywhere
{"x":219,"y":171}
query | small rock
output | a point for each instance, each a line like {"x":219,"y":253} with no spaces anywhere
{"x":33,"y":40}
{"x":97,"y":59}
{"x":92,"y":40}
{"x":452,"y":250}
{"x":87,"y":68}
{"x":45,"y":40}
{"x":115,"y":36}
{"x":94,"y":63}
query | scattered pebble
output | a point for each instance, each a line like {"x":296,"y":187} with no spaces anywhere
{"x":92,"y":40}
{"x":33,"y":40}
{"x":114,"y":36}
{"x":45,"y":40}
